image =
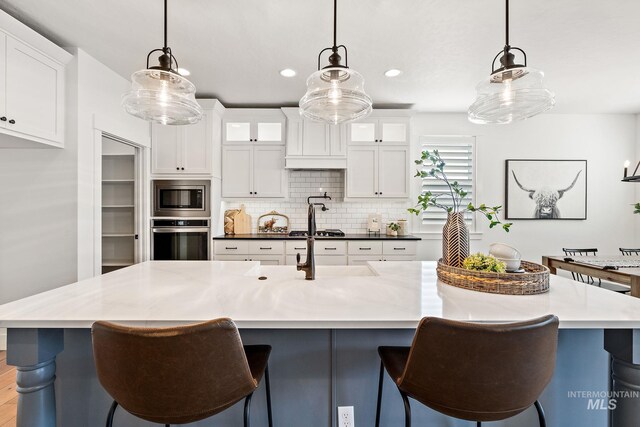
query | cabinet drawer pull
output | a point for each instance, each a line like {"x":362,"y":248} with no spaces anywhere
{"x":399,"y":249}
{"x":3,"y":118}
{"x":330,"y":249}
{"x":365,"y":249}
{"x":266,"y":249}
{"x":235,"y":247}
{"x":299,"y":249}
{"x":13,"y":122}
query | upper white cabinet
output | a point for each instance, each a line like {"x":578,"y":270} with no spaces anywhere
{"x":248,"y":125}
{"x":253,"y":171}
{"x":383,"y":130}
{"x":378,"y":163}
{"x":313,"y":145}
{"x":378,"y":171}
{"x":32,"y":99}
{"x":188,"y":149}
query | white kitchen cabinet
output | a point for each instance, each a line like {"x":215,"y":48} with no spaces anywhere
{"x":378,"y":171}
{"x":362,"y":171}
{"x":237,"y":171}
{"x":248,"y":125}
{"x":253,"y":171}
{"x":182,"y":150}
{"x":320,"y":259}
{"x":268,"y":252}
{"x":399,"y":247}
{"x":365,"y":248}
{"x":32,"y":104}
{"x":313,"y":145}
{"x":393,"y":171}
{"x":382,"y":130}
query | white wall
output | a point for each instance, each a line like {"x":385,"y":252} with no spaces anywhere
{"x":99,"y":91}
{"x":605,"y":141}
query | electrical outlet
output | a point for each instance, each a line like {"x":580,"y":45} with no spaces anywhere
{"x":345,"y":416}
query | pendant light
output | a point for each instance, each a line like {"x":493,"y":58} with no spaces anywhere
{"x":159,"y":93}
{"x":335,"y":93}
{"x":512,"y":92}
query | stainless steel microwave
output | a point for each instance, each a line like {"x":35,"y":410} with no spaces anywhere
{"x":181,"y":198}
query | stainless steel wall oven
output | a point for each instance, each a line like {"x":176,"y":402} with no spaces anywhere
{"x":180,"y":239}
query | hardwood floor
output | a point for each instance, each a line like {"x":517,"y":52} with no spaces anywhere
{"x":8,"y":393}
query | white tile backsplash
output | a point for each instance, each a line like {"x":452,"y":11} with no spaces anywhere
{"x":350,"y":217}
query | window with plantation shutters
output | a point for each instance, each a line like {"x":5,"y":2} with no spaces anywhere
{"x":458,"y":154}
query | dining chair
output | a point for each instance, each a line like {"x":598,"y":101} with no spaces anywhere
{"x":589,"y":279}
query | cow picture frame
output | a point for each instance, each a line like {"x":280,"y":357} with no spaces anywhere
{"x":537,"y":189}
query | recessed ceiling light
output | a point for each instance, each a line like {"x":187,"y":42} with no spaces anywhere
{"x":392,"y":72}
{"x":183,"y":72}
{"x":288,"y":72}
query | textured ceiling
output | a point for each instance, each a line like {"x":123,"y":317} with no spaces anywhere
{"x":234,"y":49}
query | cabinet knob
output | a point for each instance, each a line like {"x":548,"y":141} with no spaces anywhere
{"x":375,"y":192}
{"x":13,"y":122}
{"x":182,"y":168}
{"x":380,"y":194}
{"x":3,"y":118}
{"x":177,"y":169}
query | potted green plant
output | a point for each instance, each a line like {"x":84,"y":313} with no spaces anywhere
{"x":455,"y":234}
{"x":392,"y":229}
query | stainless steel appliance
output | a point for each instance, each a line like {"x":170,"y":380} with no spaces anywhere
{"x":180,"y":239}
{"x":181,"y":198}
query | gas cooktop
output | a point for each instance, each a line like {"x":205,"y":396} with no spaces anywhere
{"x":319,"y":233}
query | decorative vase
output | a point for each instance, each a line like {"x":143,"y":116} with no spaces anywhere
{"x":455,"y":240}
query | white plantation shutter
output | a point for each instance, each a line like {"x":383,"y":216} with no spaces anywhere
{"x":458,"y":154}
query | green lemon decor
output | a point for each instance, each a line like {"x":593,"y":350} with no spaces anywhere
{"x":482,"y":262}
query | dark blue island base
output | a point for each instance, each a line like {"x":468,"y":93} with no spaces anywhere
{"x":315,"y":370}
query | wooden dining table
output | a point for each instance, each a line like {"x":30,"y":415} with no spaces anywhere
{"x":614,"y":268}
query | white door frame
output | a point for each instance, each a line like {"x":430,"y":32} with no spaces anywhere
{"x":141,"y":198}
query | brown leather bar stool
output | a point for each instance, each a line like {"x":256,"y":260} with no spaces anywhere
{"x":475,"y":372}
{"x":181,"y":374}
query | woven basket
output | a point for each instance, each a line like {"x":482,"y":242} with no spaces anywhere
{"x":535,"y":279}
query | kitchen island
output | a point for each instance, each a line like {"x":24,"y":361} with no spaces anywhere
{"x":324,"y":335}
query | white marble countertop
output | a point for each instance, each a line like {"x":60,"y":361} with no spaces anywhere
{"x":380,"y":295}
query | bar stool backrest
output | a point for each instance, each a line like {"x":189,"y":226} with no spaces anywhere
{"x":480,"y":372}
{"x":177,"y":374}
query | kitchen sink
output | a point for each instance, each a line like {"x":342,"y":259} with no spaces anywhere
{"x":321,"y":271}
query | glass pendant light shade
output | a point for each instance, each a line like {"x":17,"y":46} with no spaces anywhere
{"x":163,"y":97}
{"x":335,"y":95}
{"x":511,"y":95}
{"x":160,"y":94}
{"x":512,"y":92}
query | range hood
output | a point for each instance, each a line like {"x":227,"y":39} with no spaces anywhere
{"x":307,"y":163}
{"x":312,"y":145}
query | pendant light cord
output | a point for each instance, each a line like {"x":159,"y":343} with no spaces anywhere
{"x":165,"y":25}
{"x":335,"y":25}
{"x":506,"y":23}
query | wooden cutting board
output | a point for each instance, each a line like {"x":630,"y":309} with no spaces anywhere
{"x":242,"y":222}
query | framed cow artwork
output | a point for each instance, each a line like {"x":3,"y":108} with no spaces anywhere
{"x":546,"y":189}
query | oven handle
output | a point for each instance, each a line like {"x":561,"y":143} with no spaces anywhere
{"x":180,"y":230}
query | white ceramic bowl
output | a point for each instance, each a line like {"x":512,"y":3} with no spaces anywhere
{"x":511,"y":264}
{"x":500,"y":250}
